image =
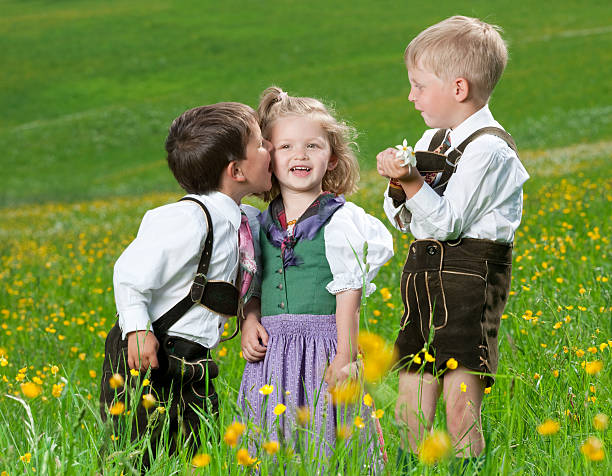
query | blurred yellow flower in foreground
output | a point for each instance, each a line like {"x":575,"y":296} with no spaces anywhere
{"x":266,"y":389}
{"x":243,"y":457}
{"x":345,"y":393}
{"x":201,"y":460}
{"x":303,"y":415}
{"x":368,"y":400}
{"x":359,"y":422}
{"x":435,"y":447}
{"x":117,"y":408}
{"x":549,"y":427}
{"x":378,"y":414}
{"x":116,"y":381}
{"x":592,"y":449}
{"x":271,"y":447}
{"x":593,"y":367}
{"x":148,"y":401}
{"x":378,"y":356}
{"x":279,"y":409}
{"x":31,"y":390}
{"x":232,"y":433}
{"x":600,"y":421}
{"x":343,"y":432}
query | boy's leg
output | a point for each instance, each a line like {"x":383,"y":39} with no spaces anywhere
{"x":416,"y":406}
{"x":463,"y":393}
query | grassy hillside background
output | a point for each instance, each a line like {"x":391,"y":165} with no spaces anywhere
{"x":87,"y":92}
{"x":88,"y":88}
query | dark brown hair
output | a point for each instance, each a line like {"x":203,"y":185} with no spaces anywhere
{"x":202,"y":141}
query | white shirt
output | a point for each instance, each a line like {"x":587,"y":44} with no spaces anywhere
{"x":483,"y":198}
{"x":157,"y":269}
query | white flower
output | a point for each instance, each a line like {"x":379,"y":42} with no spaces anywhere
{"x":405,"y":154}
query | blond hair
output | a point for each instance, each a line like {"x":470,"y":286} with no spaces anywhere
{"x":461,"y":47}
{"x":275,"y":104}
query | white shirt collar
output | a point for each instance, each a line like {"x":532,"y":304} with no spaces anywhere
{"x":478,"y":120}
{"x":224,"y":205}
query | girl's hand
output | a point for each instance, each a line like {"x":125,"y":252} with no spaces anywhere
{"x":338,"y":371}
{"x":254,"y":340}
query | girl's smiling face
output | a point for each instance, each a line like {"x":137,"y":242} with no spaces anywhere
{"x":301,"y":154}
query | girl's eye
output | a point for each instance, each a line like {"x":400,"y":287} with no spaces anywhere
{"x":284,"y":146}
{"x":313,"y":146}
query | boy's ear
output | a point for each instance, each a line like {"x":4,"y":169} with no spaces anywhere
{"x":234,"y":172}
{"x":461,"y":89}
{"x":333,"y":162}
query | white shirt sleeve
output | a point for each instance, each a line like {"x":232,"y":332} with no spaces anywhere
{"x":486,"y":178}
{"x":252,"y":213}
{"x":345,"y":235}
{"x":168,"y":239}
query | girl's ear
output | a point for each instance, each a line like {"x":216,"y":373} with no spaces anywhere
{"x":461,"y":89}
{"x":234,"y":172}
{"x":332,"y":163}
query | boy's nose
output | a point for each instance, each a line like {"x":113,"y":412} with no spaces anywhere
{"x":268,"y":145}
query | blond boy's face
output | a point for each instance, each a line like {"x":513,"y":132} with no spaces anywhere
{"x":433,"y":97}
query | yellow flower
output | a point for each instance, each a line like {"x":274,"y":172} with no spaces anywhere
{"x":592,"y":350}
{"x":377,"y":414}
{"x":26,"y":458}
{"x":201,"y":460}
{"x":359,"y":422}
{"x":134,"y":372}
{"x":579,"y":353}
{"x":559,"y":280}
{"x":116,"y":381}
{"x":117,"y":408}
{"x":57,"y":390}
{"x":303,"y":415}
{"x":92,"y":373}
{"x":536,"y":376}
{"x":594,"y":367}
{"x":452,"y":363}
{"x":31,"y":390}
{"x":343,"y":432}
{"x":3,"y":361}
{"x":243,"y":457}
{"x":368,"y":400}
{"x":463,"y":387}
{"x":346,"y":393}
{"x":271,"y":447}
{"x":487,"y":390}
{"x":555,"y":373}
{"x":592,"y":449}
{"x":386,"y":294}
{"x":146,"y":382}
{"x":417,"y":360}
{"x":378,"y":356}
{"x":266,"y":389}
{"x":429,"y":357}
{"x":279,"y":409}
{"x":600,"y":421}
{"x":54,"y":369}
{"x":435,"y":447}
{"x":549,"y":427}
{"x":232,"y":433}
{"x":148,"y":401}
{"x":222,"y":352}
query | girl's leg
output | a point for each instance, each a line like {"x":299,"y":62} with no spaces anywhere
{"x":416,"y":407}
{"x":463,"y":393}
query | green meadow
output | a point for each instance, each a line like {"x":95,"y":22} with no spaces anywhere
{"x":87,"y":92}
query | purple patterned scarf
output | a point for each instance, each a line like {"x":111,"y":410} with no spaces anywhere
{"x":274,"y":224}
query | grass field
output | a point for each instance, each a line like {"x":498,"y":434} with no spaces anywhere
{"x":88,"y":91}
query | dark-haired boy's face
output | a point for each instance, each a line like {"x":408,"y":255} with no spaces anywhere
{"x":256,"y":165}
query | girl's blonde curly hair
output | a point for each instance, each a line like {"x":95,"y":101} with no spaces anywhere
{"x":275,"y":104}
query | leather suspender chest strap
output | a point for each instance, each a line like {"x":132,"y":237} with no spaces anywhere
{"x":430,"y":162}
{"x":218,"y":296}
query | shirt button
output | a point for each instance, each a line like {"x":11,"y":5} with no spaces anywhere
{"x":431,"y":249}
{"x":282,"y":305}
{"x":280,"y":271}
{"x":280,"y":286}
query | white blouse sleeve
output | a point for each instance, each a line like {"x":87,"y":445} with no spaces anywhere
{"x":345,"y":235}
{"x":252,"y":213}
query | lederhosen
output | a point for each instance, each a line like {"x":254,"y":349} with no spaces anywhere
{"x":183,"y":381}
{"x":454,"y":292}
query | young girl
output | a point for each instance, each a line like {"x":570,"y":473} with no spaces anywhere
{"x":311,"y":281}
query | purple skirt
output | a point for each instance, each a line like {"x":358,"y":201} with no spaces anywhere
{"x":300,"y":347}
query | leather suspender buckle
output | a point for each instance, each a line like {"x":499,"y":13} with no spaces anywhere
{"x":197,"y":288}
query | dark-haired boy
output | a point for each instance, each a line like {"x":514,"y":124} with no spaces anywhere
{"x":217,"y":154}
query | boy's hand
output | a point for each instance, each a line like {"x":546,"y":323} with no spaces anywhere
{"x":253,"y":340}
{"x":142,"y":350}
{"x":388,"y":165}
{"x":338,"y":371}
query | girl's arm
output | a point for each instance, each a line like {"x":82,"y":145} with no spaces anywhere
{"x":347,"y":323}
{"x":254,"y":337}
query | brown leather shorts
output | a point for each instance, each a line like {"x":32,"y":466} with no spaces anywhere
{"x":454,"y":294}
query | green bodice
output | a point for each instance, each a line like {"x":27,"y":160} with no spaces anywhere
{"x":296,"y":289}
